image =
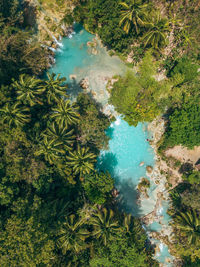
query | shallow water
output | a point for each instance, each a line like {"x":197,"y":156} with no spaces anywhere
{"x":75,"y":58}
{"x":128,"y":146}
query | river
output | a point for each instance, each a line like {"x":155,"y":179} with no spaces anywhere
{"x":128,"y":145}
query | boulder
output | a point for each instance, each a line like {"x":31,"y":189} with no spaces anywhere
{"x":94,"y":51}
{"x":84,"y":83}
{"x":149,"y":169}
{"x":72,"y":77}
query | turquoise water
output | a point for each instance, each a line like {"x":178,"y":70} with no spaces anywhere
{"x":76,"y":58}
{"x":71,"y":58}
{"x":128,"y":146}
{"x":155,"y":226}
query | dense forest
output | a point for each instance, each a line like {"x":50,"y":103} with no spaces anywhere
{"x":57,"y":209}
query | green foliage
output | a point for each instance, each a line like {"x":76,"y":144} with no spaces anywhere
{"x":72,"y":235}
{"x":191,"y":197}
{"x":55,"y":87}
{"x":193,"y":177}
{"x":64,"y":135}
{"x":92,"y":123}
{"x":187,"y":226}
{"x":65,"y":113}
{"x":103,"y":17}
{"x":137,"y":97}
{"x":98,"y":186}
{"x":105,"y":225}
{"x":120,"y":252}
{"x":20,"y":55}
{"x":28,"y":89}
{"x":132,"y":14}
{"x":15,"y":115}
{"x":186,"y":68}
{"x":25,"y":243}
{"x":184,"y":125}
{"x":81,"y":160}
{"x":158,"y":27}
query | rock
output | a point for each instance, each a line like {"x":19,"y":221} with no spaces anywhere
{"x":157,"y":249}
{"x":115,"y":192}
{"x":129,"y":58}
{"x":94,"y":51}
{"x":149,"y":169}
{"x":84,"y":83}
{"x":143,"y":187}
{"x":92,"y":44}
{"x":93,"y":93}
{"x":141,"y":163}
{"x":167,"y":260}
{"x":72,"y":77}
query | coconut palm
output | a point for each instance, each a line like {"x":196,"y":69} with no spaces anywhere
{"x":65,"y":113}
{"x":28,"y":89}
{"x":158,"y":27}
{"x":15,"y":115}
{"x":133,"y":13}
{"x":189,"y":223}
{"x":132,"y":225}
{"x":50,"y":149}
{"x":72,"y":235}
{"x":81,"y":160}
{"x":54,"y":87}
{"x":61,"y":135}
{"x":104,"y":225}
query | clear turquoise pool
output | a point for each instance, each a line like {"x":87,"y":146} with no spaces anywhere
{"x":75,"y":58}
{"x":128,"y":147}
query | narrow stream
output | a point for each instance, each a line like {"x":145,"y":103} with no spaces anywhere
{"x":128,"y":145}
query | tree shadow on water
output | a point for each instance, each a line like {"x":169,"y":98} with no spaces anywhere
{"x":107,"y":162}
{"x":73,"y":88}
{"x":128,"y":197}
{"x":110,"y":132}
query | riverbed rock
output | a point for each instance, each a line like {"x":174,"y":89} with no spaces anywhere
{"x":92,"y":44}
{"x":149,"y":169}
{"x":94,"y":51}
{"x":93,"y":93}
{"x":72,"y":76}
{"x":141,"y":163}
{"x":84,"y":83}
{"x":157,"y":249}
{"x":167,"y":260}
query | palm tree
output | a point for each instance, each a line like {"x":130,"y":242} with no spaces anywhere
{"x":132,"y":14}
{"x":50,"y":149}
{"x":104,"y":225}
{"x":65,"y":113}
{"x":61,"y":135}
{"x":157,"y":27}
{"x":55,"y":88}
{"x":15,"y":115}
{"x":72,"y":235}
{"x":189,"y":223}
{"x":81,"y":160}
{"x":132,"y":225}
{"x":28,"y":89}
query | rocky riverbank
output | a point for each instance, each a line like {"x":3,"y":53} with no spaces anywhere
{"x":158,"y":176}
{"x":50,"y":20}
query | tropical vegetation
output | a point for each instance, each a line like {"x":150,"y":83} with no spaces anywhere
{"x":56,"y":207}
